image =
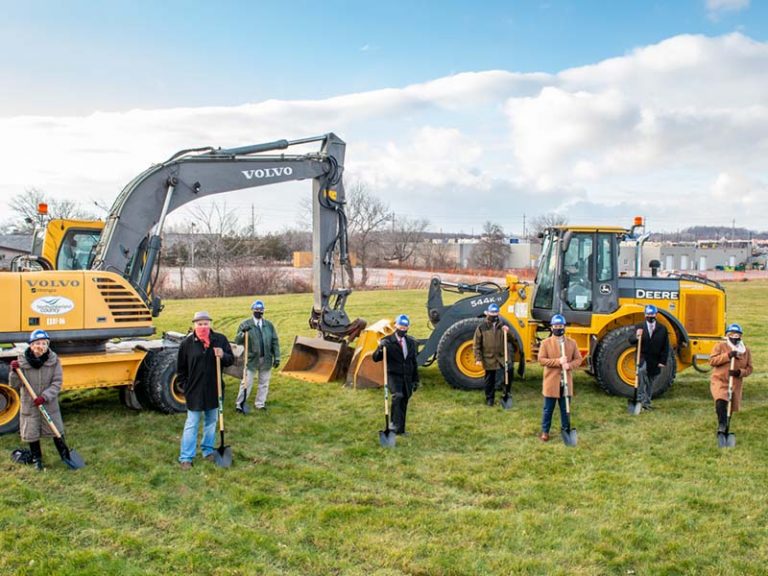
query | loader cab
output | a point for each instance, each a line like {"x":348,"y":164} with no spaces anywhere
{"x":76,"y":251}
{"x":577,"y":274}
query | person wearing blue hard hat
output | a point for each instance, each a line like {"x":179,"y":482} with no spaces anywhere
{"x":42,"y":368}
{"x":488,"y":348}
{"x":263,"y":355}
{"x":654,"y":353}
{"x":731,"y":350}
{"x":554,"y":361}
{"x":402,"y":369}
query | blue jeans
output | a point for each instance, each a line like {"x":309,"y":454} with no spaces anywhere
{"x":549,"y":408}
{"x":189,"y":436}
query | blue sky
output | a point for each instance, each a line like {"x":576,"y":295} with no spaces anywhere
{"x":77,"y":57}
{"x":460,"y":112}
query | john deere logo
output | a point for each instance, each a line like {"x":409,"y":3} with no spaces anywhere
{"x":605,"y":289}
{"x":53,"y":306}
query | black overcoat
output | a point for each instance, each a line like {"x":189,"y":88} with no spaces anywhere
{"x":196,"y":370}
{"x":655,"y":349}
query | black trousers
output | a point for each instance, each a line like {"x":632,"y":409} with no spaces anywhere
{"x":721,"y":409}
{"x":37,"y":452}
{"x":491,"y":376}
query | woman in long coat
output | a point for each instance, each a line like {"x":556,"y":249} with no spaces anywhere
{"x":42,"y":369}
{"x":731,"y":348}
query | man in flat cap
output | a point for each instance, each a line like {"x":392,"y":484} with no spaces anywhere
{"x":196,"y":376}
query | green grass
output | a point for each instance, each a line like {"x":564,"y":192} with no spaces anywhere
{"x":471,"y":491}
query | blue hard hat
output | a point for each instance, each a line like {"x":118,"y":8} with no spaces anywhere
{"x":557,"y":319}
{"x":492,"y":310}
{"x":402,"y":320}
{"x":38,"y":334}
{"x":257,"y":305}
{"x":734,"y":328}
{"x":651,"y":310}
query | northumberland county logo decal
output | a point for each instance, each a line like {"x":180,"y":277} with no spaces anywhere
{"x":53,"y":305}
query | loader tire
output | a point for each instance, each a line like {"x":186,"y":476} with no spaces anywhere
{"x":615,"y":368}
{"x":456,"y":359}
{"x":10,"y":404}
{"x":160,"y":382}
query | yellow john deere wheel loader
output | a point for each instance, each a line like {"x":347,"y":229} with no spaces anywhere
{"x":100,"y":318}
{"x":578,"y":277}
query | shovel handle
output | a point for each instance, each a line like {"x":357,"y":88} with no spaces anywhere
{"x":42,"y":409}
{"x":245,"y":360}
{"x":221,"y":397}
{"x":564,"y":379}
{"x":730,"y":386}
{"x":386,"y":387}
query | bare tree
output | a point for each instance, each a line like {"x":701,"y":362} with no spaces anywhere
{"x":404,"y":238}
{"x":492,"y":250}
{"x":25,"y":206}
{"x":366,"y":215}
{"x":436,"y":255}
{"x":541,"y":223}
{"x":220,"y":242}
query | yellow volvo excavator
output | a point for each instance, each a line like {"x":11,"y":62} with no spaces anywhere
{"x":93,"y":288}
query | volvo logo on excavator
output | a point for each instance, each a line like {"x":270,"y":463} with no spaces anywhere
{"x":53,"y":283}
{"x":260,"y":173}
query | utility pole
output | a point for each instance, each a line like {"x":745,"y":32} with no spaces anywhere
{"x":524,"y":233}
{"x":253,"y":221}
{"x":733,"y":229}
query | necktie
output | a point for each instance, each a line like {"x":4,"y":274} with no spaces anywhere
{"x":404,"y":346}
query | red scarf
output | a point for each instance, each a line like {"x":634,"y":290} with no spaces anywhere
{"x":203,"y":334}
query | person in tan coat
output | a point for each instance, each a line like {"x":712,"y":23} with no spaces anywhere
{"x":554,"y":362}
{"x":720,"y":360}
{"x":42,"y":368}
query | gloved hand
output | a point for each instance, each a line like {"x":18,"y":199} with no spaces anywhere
{"x":275,"y":362}
{"x":244,"y":325}
{"x":735,"y":373}
{"x":733,"y":354}
{"x":15,"y":365}
{"x":39,"y":401}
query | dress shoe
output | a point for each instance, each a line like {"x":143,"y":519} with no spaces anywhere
{"x":544,"y":437}
{"x":489,"y":402}
{"x":185,"y":465}
{"x":211,"y":457}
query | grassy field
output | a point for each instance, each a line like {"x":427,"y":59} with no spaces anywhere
{"x":470,"y":491}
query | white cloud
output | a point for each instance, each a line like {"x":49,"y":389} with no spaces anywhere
{"x":667,"y":129}
{"x":716,"y":7}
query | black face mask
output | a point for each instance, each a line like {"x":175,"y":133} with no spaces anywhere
{"x":558,"y":331}
{"x":401,"y":333}
{"x":734,"y":341}
{"x":493,"y":319}
{"x":258,"y":315}
{"x":650,"y":319}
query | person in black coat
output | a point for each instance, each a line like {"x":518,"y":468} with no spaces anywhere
{"x":196,"y":376}
{"x":402,"y":369}
{"x":654,"y":354}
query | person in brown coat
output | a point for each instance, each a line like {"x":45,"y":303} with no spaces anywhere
{"x":488,"y":347}
{"x":720,"y":360}
{"x":42,"y":368}
{"x":554,"y":362}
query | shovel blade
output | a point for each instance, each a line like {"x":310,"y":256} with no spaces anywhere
{"x":506,"y":403}
{"x":726,"y":440}
{"x":570,"y":437}
{"x":634,"y":408}
{"x":387,"y":438}
{"x":73,"y":459}
{"x":222,"y":456}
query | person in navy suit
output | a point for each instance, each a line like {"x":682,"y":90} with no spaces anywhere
{"x":654,"y":354}
{"x":402,"y":369}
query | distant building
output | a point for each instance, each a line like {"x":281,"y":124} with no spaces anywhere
{"x":688,"y":256}
{"x":12,"y":245}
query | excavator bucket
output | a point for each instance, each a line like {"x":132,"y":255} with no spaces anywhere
{"x":317,"y":360}
{"x":363,"y":371}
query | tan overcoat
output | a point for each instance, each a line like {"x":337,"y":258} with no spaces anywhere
{"x":46,"y":382}
{"x":721,"y":364}
{"x":549,"y":357}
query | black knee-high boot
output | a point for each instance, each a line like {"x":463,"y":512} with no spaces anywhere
{"x":61,"y":446}
{"x":721,"y":408}
{"x":37,"y":454}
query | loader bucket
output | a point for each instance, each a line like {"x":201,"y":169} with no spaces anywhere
{"x":363,"y":371}
{"x":317,"y":360}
